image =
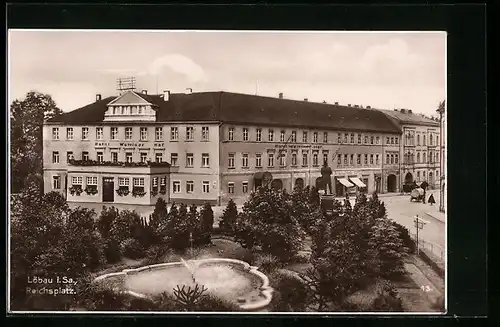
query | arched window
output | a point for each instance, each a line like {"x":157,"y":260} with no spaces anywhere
{"x":418,"y":157}
{"x":424,"y":158}
{"x":430,"y":140}
{"x":424,"y":141}
{"x":418,"y":140}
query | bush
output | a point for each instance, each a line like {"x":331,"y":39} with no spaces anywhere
{"x":156,"y":254}
{"x":97,"y":297}
{"x":404,"y":235}
{"x":228,"y":218}
{"x":112,"y":251}
{"x":106,"y":218}
{"x":388,"y":299}
{"x":133,"y":249}
{"x":267,"y":262}
{"x":290,"y":293}
{"x":206,"y":224}
{"x":212,"y":303}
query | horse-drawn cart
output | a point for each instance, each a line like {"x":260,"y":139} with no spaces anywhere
{"x":417,"y":194}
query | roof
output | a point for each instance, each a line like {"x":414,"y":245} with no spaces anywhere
{"x":410,"y":118}
{"x":239,"y":108}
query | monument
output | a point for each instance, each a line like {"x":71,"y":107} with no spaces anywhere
{"x":327,"y":198}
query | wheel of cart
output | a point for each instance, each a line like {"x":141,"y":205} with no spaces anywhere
{"x":417,"y":194}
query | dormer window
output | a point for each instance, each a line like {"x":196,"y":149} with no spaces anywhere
{"x":130,"y":104}
{"x":139,"y":110}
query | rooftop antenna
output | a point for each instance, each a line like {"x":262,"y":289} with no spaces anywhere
{"x":125,"y":84}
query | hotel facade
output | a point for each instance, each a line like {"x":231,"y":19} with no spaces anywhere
{"x":131,"y":149}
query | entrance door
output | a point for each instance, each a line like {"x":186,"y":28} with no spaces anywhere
{"x":108,"y":189}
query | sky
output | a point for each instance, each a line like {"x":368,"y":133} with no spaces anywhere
{"x":382,"y":70}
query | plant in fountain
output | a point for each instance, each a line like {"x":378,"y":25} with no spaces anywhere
{"x":188,"y":297}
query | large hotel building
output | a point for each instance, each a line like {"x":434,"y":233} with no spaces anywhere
{"x":130,"y":149}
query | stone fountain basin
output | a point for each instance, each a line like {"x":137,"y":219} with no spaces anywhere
{"x":233,"y":280}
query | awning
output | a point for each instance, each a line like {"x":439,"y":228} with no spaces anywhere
{"x":262,"y":175}
{"x":358,"y":182}
{"x":345,"y":182}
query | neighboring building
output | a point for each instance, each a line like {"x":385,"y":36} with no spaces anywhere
{"x":213,"y":146}
{"x":420,"y":147}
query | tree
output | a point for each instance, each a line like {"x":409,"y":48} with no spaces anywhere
{"x":314,"y":196}
{"x":177,"y":228}
{"x":228,"y":218}
{"x":26,"y":118}
{"x":106,"y":218}
{"x":207,"y":222}
{"x":159,"y":214}
{"x":268,"y":220}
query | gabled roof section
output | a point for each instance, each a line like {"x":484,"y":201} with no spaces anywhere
{"x":129,"y":97}
{"x":91,"y":113}
{"x":410,"y":118}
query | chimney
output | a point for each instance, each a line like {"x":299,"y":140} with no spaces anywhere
{"x":189,"y":90}
{"x":368,"y":107}
{"x":409,"y":111}
{"x":336,"y":103}
{"x":280,"y":95}
{"x":144,"y":91}
{"x":324,"y":101}
{"x":305,"y":99}
{"x":356,"y":106}
{"x":98,"y":97}
{"x":395,"y":109}
{"x":348,"y":104}
{"x":166,"y":95}
{"x":403,"y":111}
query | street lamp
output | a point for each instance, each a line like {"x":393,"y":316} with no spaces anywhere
{"x":419,"y":224}
{"x":440,"y":111}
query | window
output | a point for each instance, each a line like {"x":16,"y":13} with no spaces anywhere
{"x":258,"y":135}
{"x":359,"y":138}
{"x":339,"y":159}
{"x":244,"y":160}
{"x":392,"y":140}
{"x":230,"y":164}
{"x":366,"y":139}
{"x":325,"y":137}
{"x":418,"y":175}
{"x":430,"y":157}
{"x":204,"y":133}
{"x":85,"y":156}
{"x":366,"y":159}
{"x":230,"y":188}
{"x":423,"y":141}
{"x":418,"y":139}
{"x":189,"y":160}
{"x":85,"y":133}
{"x":315,"y":159}
{"x":114,"y":156}
{"x":174,"y":159}
{"x":56,"y":182}
{"x":205,"y":187}
{"x":377,"y":140}
{"x":138,"y":181}
{"x":92,"y":180}
{"x":304,"y":158}
{"x":258,"y":160}
{"x":270,"y":159}
{"x":55,"y":133}
{"x":128,"y":157}
{"x":159,"y":157}
{"x":114,"y":133}
{"x":315,"y":137}
{"x":174,"y":135}
{"x":325,"y":157}
{"x":144,"y":157}
{"x":158,"y":133}
{"x":99,"y":133}
{"x":77,"y":180}
{"x":231,"y":133}
{"x":128,"y":133}
{"x":304,"y":137}
{"x":339,"y":138}
{"x":424,"y":158}
{"x":69,"y":156}
{"x":387,"y":158}
{"x":418,"y":157}
{"x":377,"y":159}
{"x":372,"y":139}
{"x":351,"y":160}
{"x":388,"y":140}
{"x":100,"y":157}
{"x":352,"y":138}
{"x":245,"y":134}
{"x":244,"y":187}
{"x":282,"y":159}
{"x":205,"y":160}
{"x":437,"y":140}
{"x":346,"y":136}
{"x":345,"y":159}
{"x":163,"y":181}
{"x":294,"y":158}
{"x":371,"y":159}
{"x":430,"y":140}
{"x":282,"y":136}
{"x":189,"y":187}
{"x":396,"y":158}
{"x":294,"y":137}
{"x":155,"y":182}
{"x":189,"y":133}
{"x":423,"y":174}
{"x":270,"y":136}
{"x":69,"y":133}
{"x":392,"y":159}
{"x":176,"y":187}
{"x":139,"y":110}
{"x":396,"y":139}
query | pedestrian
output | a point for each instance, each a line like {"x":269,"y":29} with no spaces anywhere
{"x":431,"y":199}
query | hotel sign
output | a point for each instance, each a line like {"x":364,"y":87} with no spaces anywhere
{"x":295,"y":146}
{"x":129,"y":144}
